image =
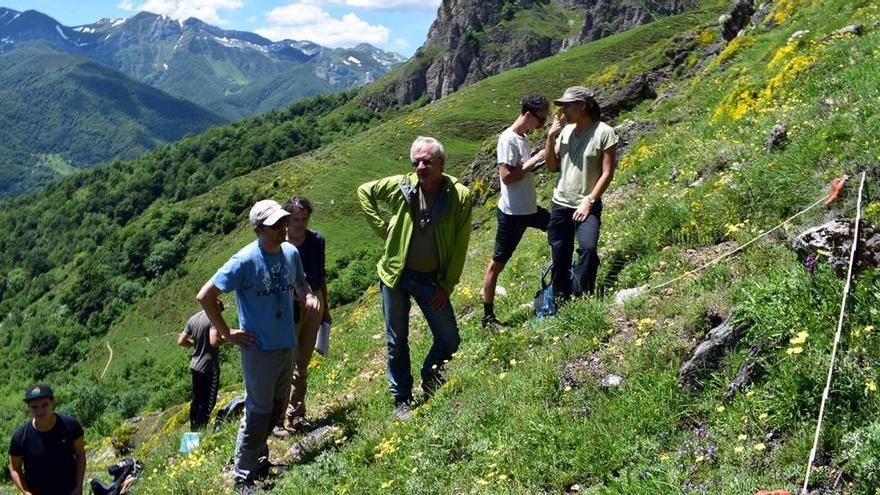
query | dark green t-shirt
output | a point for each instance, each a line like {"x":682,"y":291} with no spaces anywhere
{"x":422,"y":256}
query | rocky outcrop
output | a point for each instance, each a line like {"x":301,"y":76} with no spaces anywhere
{"x":606,"y":17}
{"x":831,"y":243}
{"x":739,"y":17}
{"x":778,"y":137}
{"x":708,"y":353}
{"x":469,"y":40}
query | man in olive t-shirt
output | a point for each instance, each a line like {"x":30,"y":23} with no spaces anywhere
{"x":582,"y":148}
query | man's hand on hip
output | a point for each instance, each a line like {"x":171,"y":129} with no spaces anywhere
{"x":242,"y":338}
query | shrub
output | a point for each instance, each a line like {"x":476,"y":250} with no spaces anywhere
{"x":861,"y":451}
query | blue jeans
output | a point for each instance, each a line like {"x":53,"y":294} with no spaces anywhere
{"x":267,"y":385}
{"x":396,"y":306}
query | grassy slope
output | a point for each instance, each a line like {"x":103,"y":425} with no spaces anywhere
{"x":462,"y":120}
{"x":507,"y":422}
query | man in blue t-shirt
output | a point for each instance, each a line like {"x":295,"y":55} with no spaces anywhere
{"x":46,"y":454}
{"x":263,"y":275}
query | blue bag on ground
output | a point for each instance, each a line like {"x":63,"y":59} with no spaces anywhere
{"x":544,"y":305}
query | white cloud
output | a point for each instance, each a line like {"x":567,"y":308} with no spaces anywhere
{"x":388,"y":4}
{"x":205,"y":10}
{"x":401,"y":43}
{"x":307,"y":21}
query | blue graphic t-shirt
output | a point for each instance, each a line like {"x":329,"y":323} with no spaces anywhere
{"x":263,"y":283}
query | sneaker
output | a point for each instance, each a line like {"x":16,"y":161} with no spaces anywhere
{"x":280,"y":432}
{"x":245,"y":487}
{"x":403,"y":409}
{"x":299,"y":424}
{"x":490,"y":322}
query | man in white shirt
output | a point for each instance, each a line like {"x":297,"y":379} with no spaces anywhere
{"x":517,"y":207}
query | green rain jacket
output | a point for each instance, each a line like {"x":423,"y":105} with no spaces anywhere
{"x":400,"y":193}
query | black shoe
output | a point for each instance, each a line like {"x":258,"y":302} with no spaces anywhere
{"x":490,"y":322}
{"x":245,"y":487}
{"x":299,"y":424}
{"x":430,"y":387}
{"x":403,"y":409}
{"x":270,"y":470}
{"x":560,"y":300}
{"x":280,"y":432}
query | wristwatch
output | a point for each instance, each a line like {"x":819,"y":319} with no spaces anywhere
{"x":590,"y":199}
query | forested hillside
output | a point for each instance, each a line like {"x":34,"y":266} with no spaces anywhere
{"x":62,"y":113}
{"x":77,"y":254}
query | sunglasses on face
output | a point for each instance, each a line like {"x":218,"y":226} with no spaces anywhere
{"x":278,"y":226}
{"x":426,"y":161}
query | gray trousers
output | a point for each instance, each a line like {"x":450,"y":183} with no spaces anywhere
{"x":267,"y":385}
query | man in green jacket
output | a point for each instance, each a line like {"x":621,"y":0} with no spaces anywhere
{"x":426,"y":241}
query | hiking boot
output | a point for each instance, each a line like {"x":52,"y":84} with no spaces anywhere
{"x":490,"y":322}
{"x":270,"y":470}
{"x":430,"y":387}
{"x":560,"y":300}
{"x":299,"y":424}
{"x":245,"y":487}
{"x":403,"y":409}
{"x":280,"y":432}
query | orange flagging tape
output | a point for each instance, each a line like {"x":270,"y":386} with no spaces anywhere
{"x":836,"y":186}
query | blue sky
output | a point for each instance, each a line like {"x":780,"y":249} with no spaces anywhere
{"x":397,"y":25}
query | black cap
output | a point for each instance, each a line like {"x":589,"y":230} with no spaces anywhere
{"x":38,"y":391}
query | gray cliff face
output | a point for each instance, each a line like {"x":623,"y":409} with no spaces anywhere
{"x":606,"y":17}
{"x":474,"y":39}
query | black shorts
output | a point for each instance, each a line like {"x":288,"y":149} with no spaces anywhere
{"x":511,"y":229}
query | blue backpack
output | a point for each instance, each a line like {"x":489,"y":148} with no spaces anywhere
{"x":544,"y":305}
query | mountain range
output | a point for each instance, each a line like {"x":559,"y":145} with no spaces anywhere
{"x":232,"y":73}
{"x":111,"y":90}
